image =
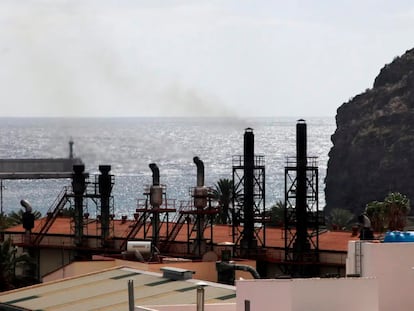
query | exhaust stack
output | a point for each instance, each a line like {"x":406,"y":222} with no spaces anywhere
{"x":79,"y":188}
{"x":200,"y":195}
{"x":155,"y":174}
{"x":200,"y":171}
{"x":105,"y":189}
{"x":248,"y":242}
{"x":156,"y":191}
{"x":200,"y":192}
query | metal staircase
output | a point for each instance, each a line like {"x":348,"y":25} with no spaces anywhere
{"x":52,"y":213}
{"x":138,"y":224}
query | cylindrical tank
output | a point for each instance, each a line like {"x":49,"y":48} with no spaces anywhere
{"x":200,"y":197}
{"x":144,"y":247}
{"x":156,"y":195}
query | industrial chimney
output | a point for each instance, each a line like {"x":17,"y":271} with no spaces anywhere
{"x":248,"y":242}
{"x":200,"y":195}
{"x":155,"y":201}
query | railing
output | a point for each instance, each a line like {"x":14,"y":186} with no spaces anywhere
{"x":138,"y":224}
{"x":238,"y":160}
{"x":311,"y":161}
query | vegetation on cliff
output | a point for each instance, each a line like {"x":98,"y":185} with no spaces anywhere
{"x":373,"y":145}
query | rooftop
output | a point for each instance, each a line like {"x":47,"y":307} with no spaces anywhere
{"x":328,"y":240}
{"x":108,"y":290}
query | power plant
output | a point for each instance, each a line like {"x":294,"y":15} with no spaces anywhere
{"x":161,"y":227}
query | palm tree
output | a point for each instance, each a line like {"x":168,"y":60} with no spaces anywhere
{"x":223,"y":193}
{"x":277,"y":214}
{"x":5,"y":221}
{"x":375,"y":211}
{"x":16,"y":218}
{"x":9,"y":260}
{"x":340,"y":218}
{"x":397,"y":207}
{"x":390,"y":214}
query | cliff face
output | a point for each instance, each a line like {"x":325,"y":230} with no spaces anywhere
{"x":373,"y":145}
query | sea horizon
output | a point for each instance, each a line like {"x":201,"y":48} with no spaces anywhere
{"x":129,"y":144}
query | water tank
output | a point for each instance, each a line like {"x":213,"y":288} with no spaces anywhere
{"x":144,"y":247}
{"x":398,"y":236}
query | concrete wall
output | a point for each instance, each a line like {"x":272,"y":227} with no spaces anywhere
{"x":392,"y":264}
{"x":359,"y":294}
{"x":52,"y":259}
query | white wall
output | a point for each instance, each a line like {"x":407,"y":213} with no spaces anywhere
{"x":357,"y":294}
{"x":335,"y":294}
{"x":264,"y":294}
{"x":392,"y":264}
{"x":207,"y":307}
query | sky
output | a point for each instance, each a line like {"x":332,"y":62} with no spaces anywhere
{"x":232,"y":58}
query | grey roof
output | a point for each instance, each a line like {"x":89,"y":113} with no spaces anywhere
{"x":108,"y":290}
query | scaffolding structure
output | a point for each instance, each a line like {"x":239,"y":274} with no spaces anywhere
{"x":78,"y":197}
{"x":248,"y":214}
{"x":144,"y":216}
{"x":302,"y":217}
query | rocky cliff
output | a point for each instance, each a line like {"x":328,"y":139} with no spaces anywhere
{"x":373,"y":145}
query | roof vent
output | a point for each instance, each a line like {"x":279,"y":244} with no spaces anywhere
{"x":176,"y":273}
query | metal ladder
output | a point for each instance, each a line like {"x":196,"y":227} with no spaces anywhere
{"x":358,"y":258}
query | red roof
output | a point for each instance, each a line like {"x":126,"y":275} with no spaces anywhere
{"x":328,"y":240}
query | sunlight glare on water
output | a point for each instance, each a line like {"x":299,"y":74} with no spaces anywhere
{"x":130,"y":144}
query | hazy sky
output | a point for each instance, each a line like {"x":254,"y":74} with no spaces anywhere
{"x":185,"y":58}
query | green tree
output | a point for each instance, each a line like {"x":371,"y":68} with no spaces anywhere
{"x":376,"y":213}
{"x":5,"y":222}
{"x":16,"y":218}
{"x":390,"y":214}
{"x":9,"y":260}
{"x":340,"y":218}
{"x":277,"y":214}
{"x":223,"y":193}
{"x":397,"y":207}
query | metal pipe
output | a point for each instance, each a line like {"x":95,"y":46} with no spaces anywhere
{"x":131,"y":299}
{"x":1,"y":197}
{"x":27,"y":206}
{"x":247,"y":268}
{"x":155,"y":174}
{"x":200,"y":298}
{"x":252,"y":271}
{"x":200,"y":171}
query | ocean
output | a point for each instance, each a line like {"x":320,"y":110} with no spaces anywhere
{"x":130,"y":144}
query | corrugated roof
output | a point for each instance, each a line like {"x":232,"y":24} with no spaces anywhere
{"x":108,"y":290}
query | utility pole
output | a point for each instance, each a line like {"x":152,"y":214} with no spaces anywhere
{"x":1,"y":196}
